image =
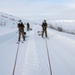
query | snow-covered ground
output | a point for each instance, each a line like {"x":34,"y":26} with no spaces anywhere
{"x":32,"y":55}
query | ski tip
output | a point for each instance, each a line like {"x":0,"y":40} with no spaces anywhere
{"x":22,"y":42}
{"x":43,"y":37}
{"x":47,"y":38}
{"x":17,"y":42}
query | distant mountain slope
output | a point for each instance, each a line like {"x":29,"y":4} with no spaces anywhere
{"x":67,"y":26}
{"x":8,"y":20}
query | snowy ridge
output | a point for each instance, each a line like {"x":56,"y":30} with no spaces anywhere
{"x":6,"y":19}
{"x":10,"y":20}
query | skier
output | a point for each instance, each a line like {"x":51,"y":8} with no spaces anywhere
{"x":44,"y":28}
{"x":28,"y":27}
{"x":21,"y":30}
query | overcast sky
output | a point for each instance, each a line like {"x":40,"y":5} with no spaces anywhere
{"x":39,"y":9}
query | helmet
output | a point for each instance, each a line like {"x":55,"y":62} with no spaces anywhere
{"x":19,"y":20}
{"x":44,"y":20}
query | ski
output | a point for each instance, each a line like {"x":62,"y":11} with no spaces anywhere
{"x":45,"y":38}
{"x":22,"y":41}
{"x":17,"y":42}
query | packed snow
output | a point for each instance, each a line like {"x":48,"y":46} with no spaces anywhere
{"x":32,"y":55}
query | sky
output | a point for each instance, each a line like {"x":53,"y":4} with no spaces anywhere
{"x":40,"y":9}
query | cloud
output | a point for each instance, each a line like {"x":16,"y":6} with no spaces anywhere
{"x":39,"y":10}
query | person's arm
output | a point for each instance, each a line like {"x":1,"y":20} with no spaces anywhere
{"x":23,"y":25}
{"x":18,"y":26}
{"x":42,"y":25}
{"x":46,"y":25}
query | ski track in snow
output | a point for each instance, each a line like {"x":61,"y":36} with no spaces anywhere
{"x":31,"y":63}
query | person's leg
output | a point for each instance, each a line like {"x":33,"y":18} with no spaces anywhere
{"x":23,"y":36}
{"x":19,"y":36}
{"x":28,"y":28}
{"x":45,"y":33}
{"x":42,"y":32}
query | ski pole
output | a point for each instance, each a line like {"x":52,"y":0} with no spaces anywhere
{"x":15,"y":60}
{"x":48,"y":58}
